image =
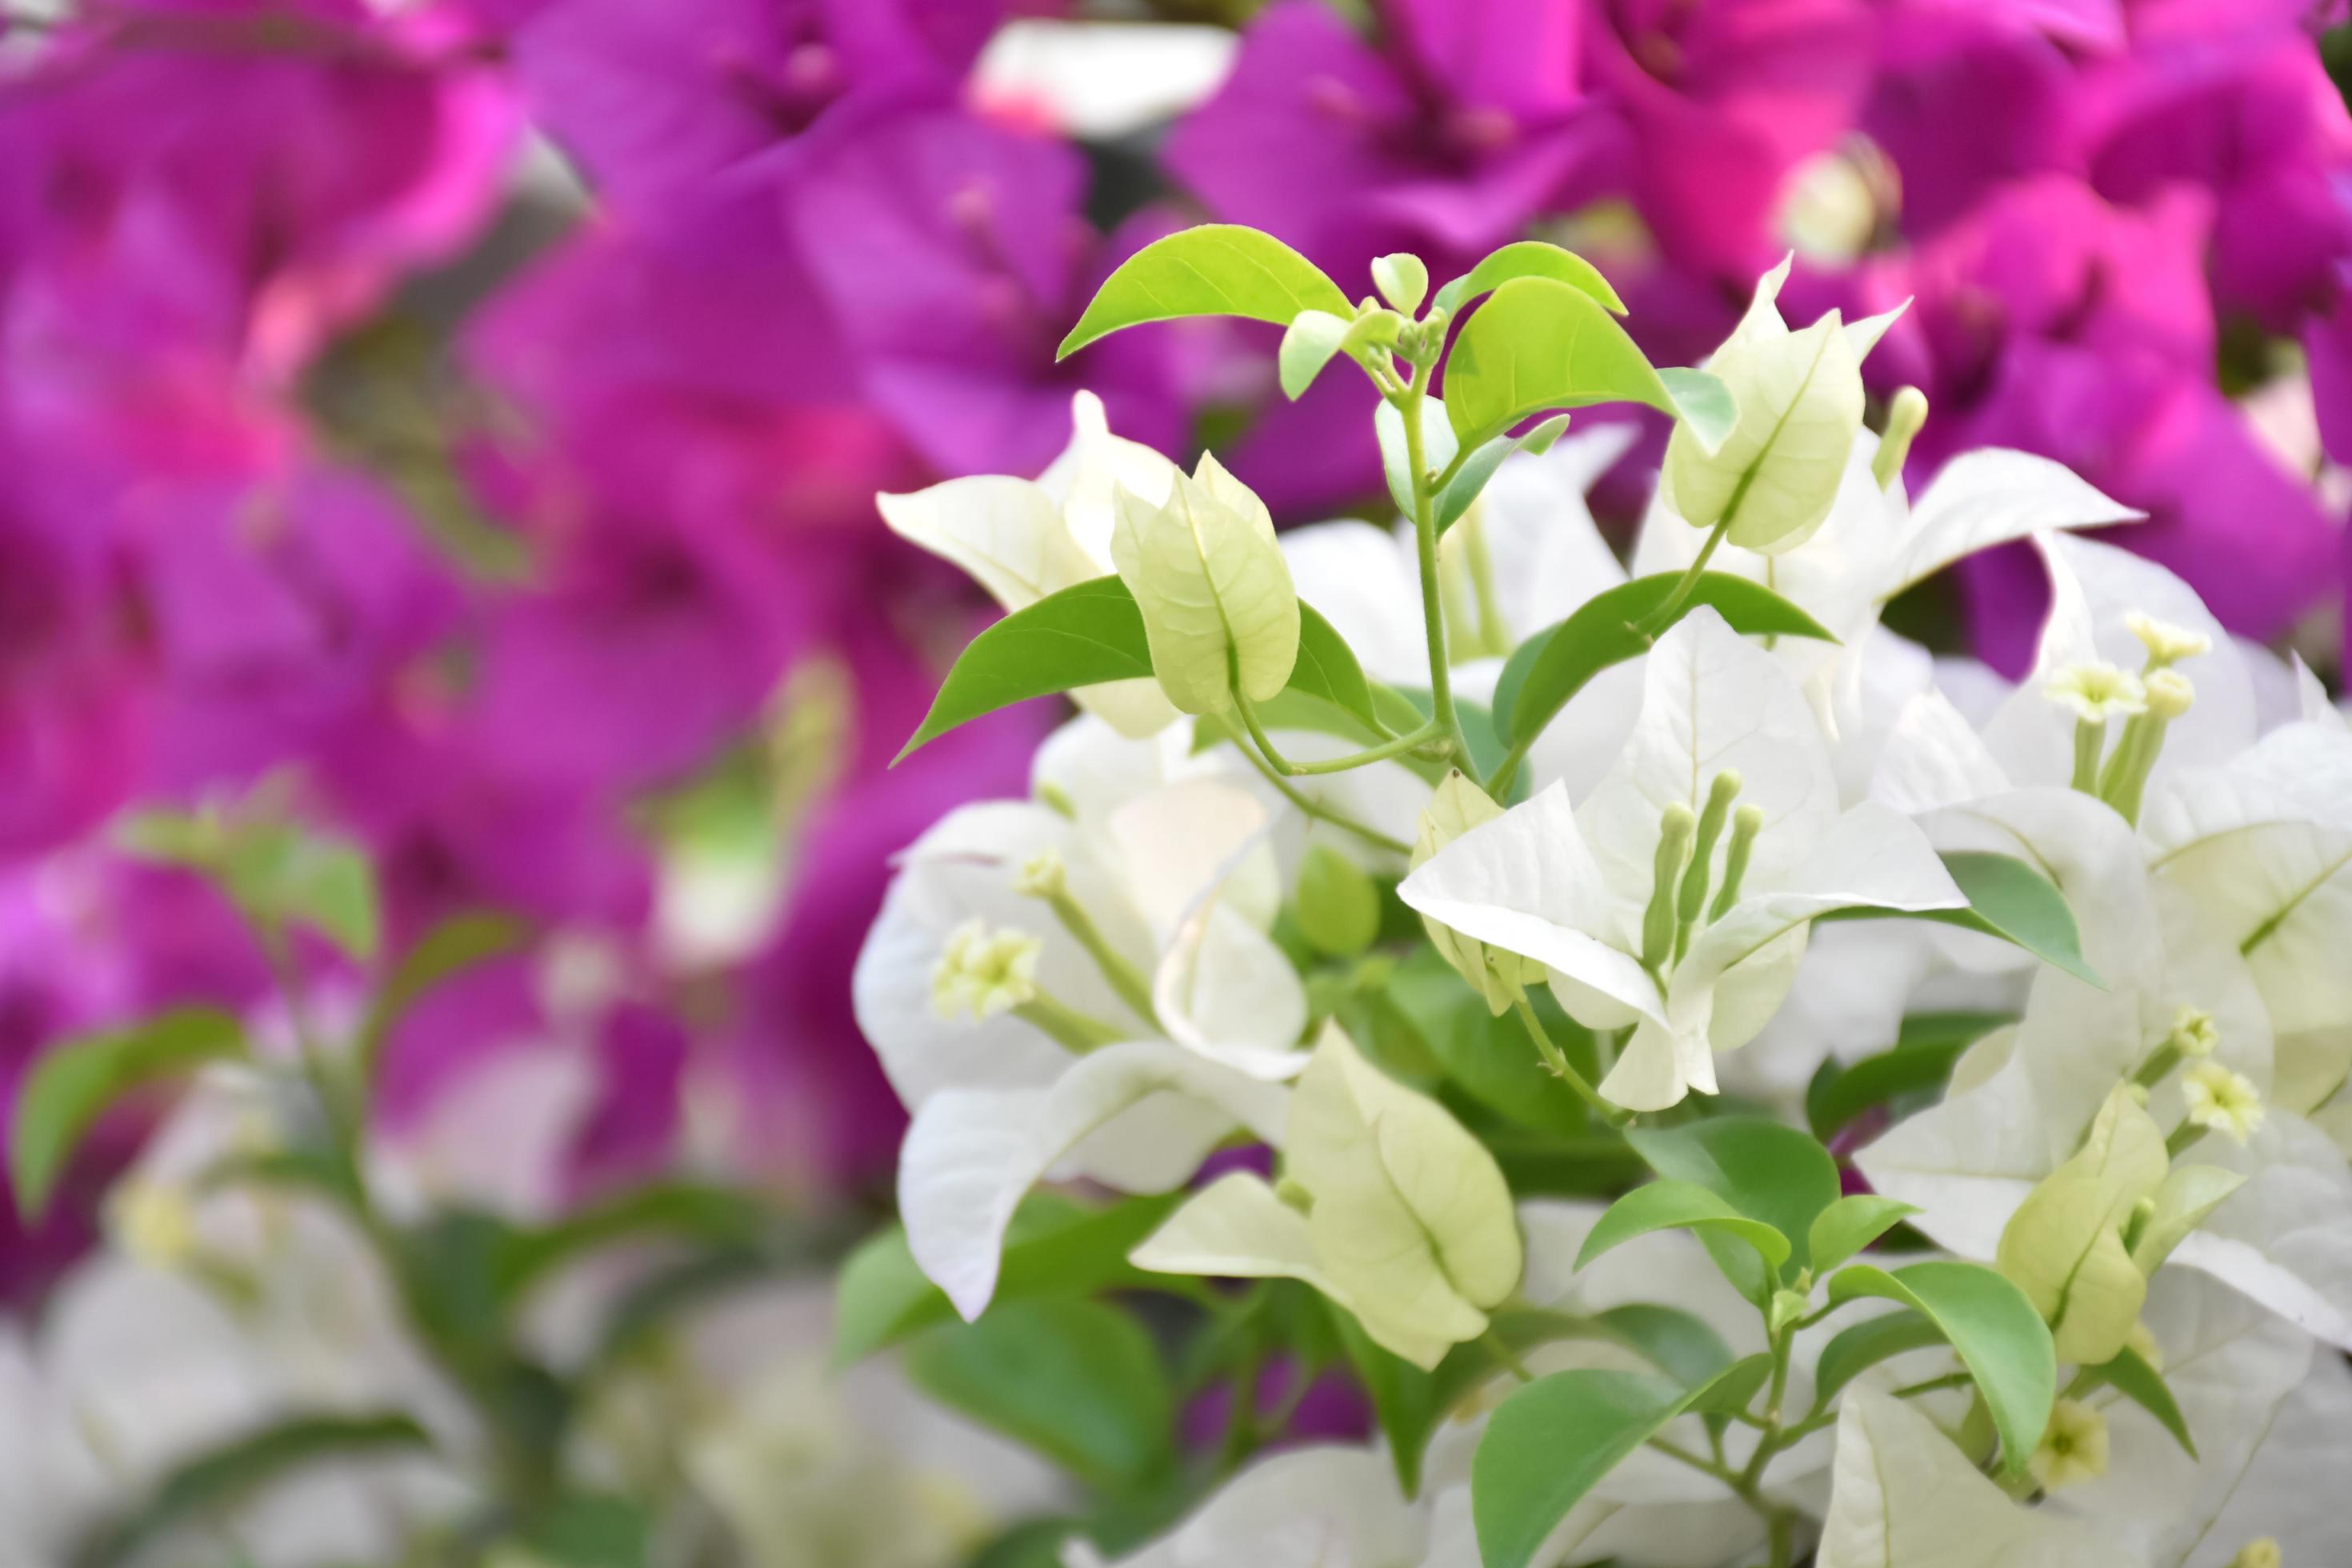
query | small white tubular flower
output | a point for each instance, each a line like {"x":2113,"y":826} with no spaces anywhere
{"x":1045,"y":875}
{"x":2263,"y":1552}
{"x":2096,"y":691}
{"x":2222,"y":1101}
{"x":2073,"y":1448}
{"x":2165,"y":643}
{"x":2195,"y":1033}
{"x":984,"y":972}
{"x":2169,"y":693}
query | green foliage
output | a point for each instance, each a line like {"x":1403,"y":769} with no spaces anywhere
{"x":1487,"y":1057}
{"x":1704,"y":401}
{"x":1529,"y":259}
{"x":1856,"y":1350}
{"x":75,"y":1082}
{"x":1546,"y":1445}
{"x":1088,"y":633}
{"x":1214,"y":269}
{"x":225,"y":1476}
{"x":2000,"y":1339}
{"x":280,"y":875}
{"x":1326,"y":668}
{"x":1540,"y":345}
{"x":1851,"y":1224}
{"x":1767,"y":1172}
{"x":1077,"y":1381}
{"x":1556,"y":663}
{"x":1917,"y":1069}
{"x":457,"y":945}
{"x":1479,"y":467}
{"x":1337,"y":905}
{"x":1668,"y":1204}
{"x":2130,"y":1374}
{"x":1052,"y":1247}
{"x":2007,"y":899}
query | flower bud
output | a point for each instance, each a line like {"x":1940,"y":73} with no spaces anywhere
{"x":2194,"y":1033}
{"x":1043,"y":875}
{"x":2169,"y":693}
{"x":2263,"y":1552}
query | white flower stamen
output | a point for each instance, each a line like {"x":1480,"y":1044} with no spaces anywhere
{"x":2096,"y":691}
{"x":984,"y":973}
{"x":2222,"y":1101}
{"x":2165,"y":643}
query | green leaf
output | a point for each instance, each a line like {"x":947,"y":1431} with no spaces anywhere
{"x":1554,"y":665}
{"x":1851,"y":1224}
{"x":1919,"y":1065}
{"x":1546,"y":1445}
{"x":1308,"y":345}
{"x":1215,"y":269}
{"x":1680,"y":1344}
{"x":1079,"y":1382}
{"x":1402,"y":279}
{"x":1220,"y":614}
{"x":678,"y":1210}
{"x":1052,"y":1247}
{"x":1669,"y":1205}
{"x":1856,"y":1350}
{"x":2131,"y":1376}
{"x":1529,"y":259}
{"x":1999,"y":1337}
{"x":1491,"y":1058}
{"x":1702,"y":402}
{"x":1466,"y":486}
{"x":1769,"y":1172}
{"x":457,"y":945}
{"x":1326,"y":668}
{"x":600,"y":1530}
{"x":75,"y":1082}
{"x":1538,"y":346}
{"x":2009,"y":900}
{"x":231,"y":1474}
{"x":1338,"y":904}
{"x":1088,"y":633}
{"x":1438,"y":446}
{"x":278,"y":872}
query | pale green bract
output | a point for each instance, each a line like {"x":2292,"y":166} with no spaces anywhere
{"x":2065,"y":1245}
{"x":1215,"y":593}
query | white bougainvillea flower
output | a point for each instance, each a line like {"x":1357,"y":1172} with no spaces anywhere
{"x":1905,"y":1496}
{"x":1325,"y":1507}
{"x":1406,"y":1221}
{"x":1021,"y":540}
{"x":1797,"y":394}
{"x":1079,"y":989}
{"x":1577,"y":889}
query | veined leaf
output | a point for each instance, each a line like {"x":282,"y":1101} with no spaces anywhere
{"x":455,"y":944}
{"x":1214,"y":269}
{"x":2131,"y":1376}
{"x":1326,"y":668}
{"x":1920,"y":1063}
{"x":1856,"y":1350}
{"x":1680,"y":1205}
{"x":1529,"y":259}
{"x":1546,"y":1445}
{"x":75,"y":1082}
{"x":1555,"y":664}
{"x":1540,"y":345}
{"x":2009,"y":900}
{"x":1767,"y":1172}
{"x":1088,"y":633}
{"x":1702,"y":402}
{"x":1851,"y":1224}
{"x":1999,"y":1337}
{"x":1464,"y":487}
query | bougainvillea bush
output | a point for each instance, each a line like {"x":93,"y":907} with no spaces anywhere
{"x":546,"y":548}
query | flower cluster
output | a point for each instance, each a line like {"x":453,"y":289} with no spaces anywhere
{"x":1965,"y":1058}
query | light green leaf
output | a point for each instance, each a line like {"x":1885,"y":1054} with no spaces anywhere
{"x":1079,"y":1382}
{"x":1555,"y":664}
{"x":1851,"y":1224}
{"x":74,"y":1082}
{"x":1438,"y":446}
{"x":1411,"y":1219}
{"x":2131,"y":1376}
{"x":1338,"y":904}
{"x":1457,"y":806}
{"x":1052,"y":1247}
{"x":1215,"y":269}
{"x":1702,"y":402}
{"x":1529,"y":259}
{"x":201,"y":1489}
{"x":1308,"y":345}
{"x":1215,"y":592}
{"x":2009,"y":900}
{"x":1548,"y":1444}
{"x":2065,"y":1247}
{"x":1920,"y":1064}
{"x":1464,"y":487}
{"x":1087,"y":633}
{"x":1536,"y":346}
{"x":1856,"y":1350}
{"x":1680,"y":1205}
{"x":1769,"y":1172}
{"x":279,"y":873}
{"x":1402,"y":280}
{"x":1999,"y":1337}
{"x":457,"y":945}
{"x":1680,"y":1344}
{"x":1326,"y":668}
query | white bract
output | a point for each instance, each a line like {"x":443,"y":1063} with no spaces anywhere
{"x":1576,"y":888}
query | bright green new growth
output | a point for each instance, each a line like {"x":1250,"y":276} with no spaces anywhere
{"x":1214,"y":591}
{"x":2065,"y":1245}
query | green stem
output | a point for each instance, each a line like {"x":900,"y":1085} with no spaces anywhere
{"x":1433,"y":611}
{"x":1501,"y":1351}
{"x":1659,"y":619}
{"x":2090,"y":740}
{"x":1317,"y":810}
{"x":1394,"y":746}
{"x":1123,"y":976}
{"x":1557,"y":1060}
{"x":1934,"y":1384}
